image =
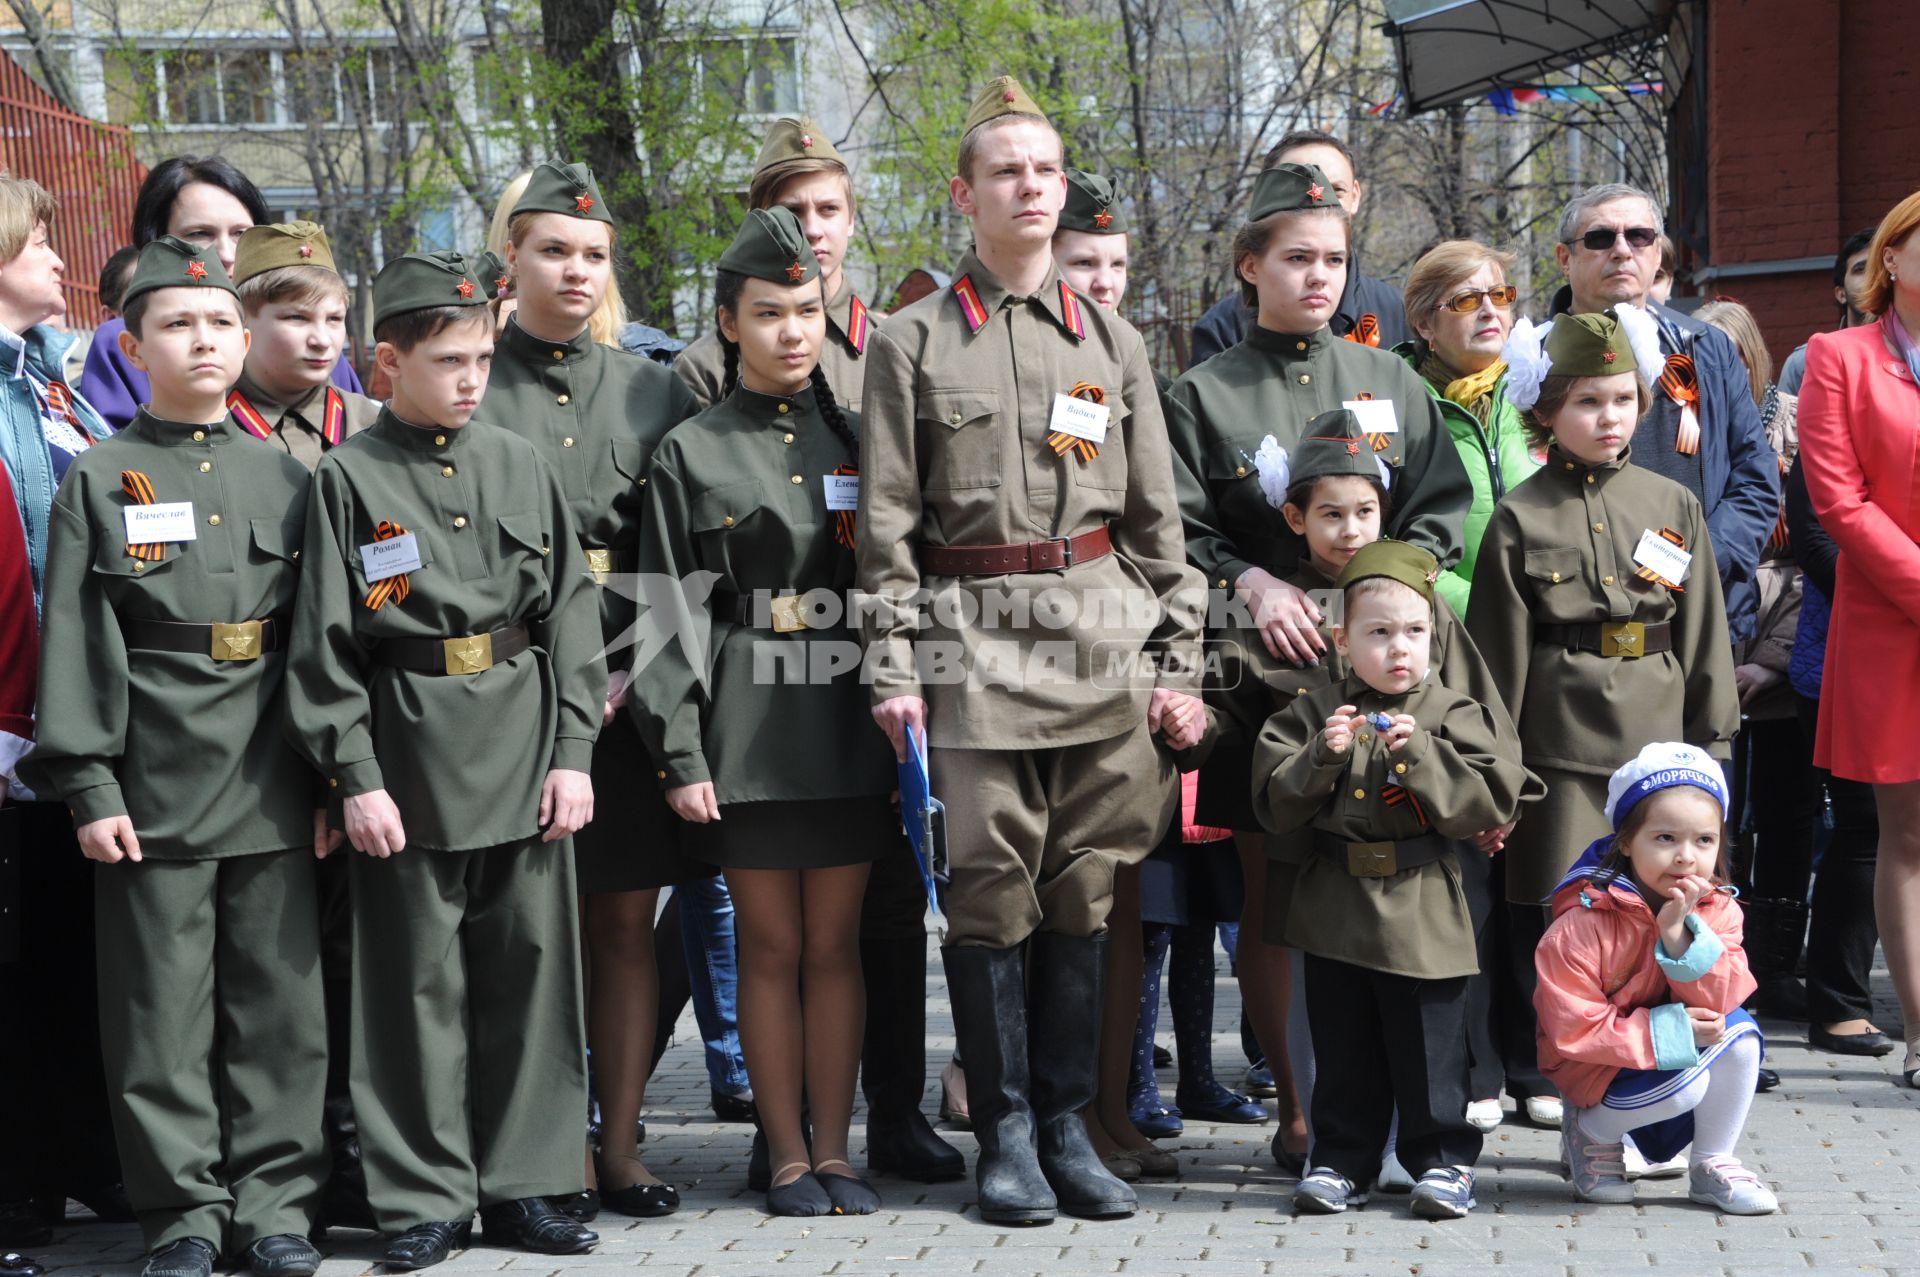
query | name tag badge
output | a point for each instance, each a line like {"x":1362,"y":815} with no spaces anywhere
{"x":390,"y":557}
{"x":173,"y":521}
{"x":843,"y":491}
{"x":1376,"y":416}
{"x":1081,"y":418}
{"x":1657,"y":554}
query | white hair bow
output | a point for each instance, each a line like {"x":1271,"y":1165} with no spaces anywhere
{"x":1275,"y":471}
{"x":1527,"y":362}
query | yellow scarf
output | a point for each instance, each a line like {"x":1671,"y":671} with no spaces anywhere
{"x":1473,"y":392}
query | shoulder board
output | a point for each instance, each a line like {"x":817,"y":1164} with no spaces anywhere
{"x":1070,"y":312}
{"x":970,"y":307}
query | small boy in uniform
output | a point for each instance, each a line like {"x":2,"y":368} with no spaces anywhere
{"x":1385,"y":770}
{"x":171,"y":574}
{"x":446,"y":682}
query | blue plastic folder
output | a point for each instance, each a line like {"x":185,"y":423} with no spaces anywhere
{"x":924,"y":817}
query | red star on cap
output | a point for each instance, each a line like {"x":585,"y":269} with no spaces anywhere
{"x":806,"y":141}
{"x":1103,"y":220}
{"x":306,"y":250}
{"x":1353,"y":447}
{"x":196,"y":270}
{"x":1007,"y":96}
{"x":464,"y":288}
{"x":796,"y":272}
{"x":584,"y":203}
{"x":1314,"y":192}
{"x":1607,"y":356}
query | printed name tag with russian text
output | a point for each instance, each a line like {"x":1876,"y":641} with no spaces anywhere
{"x":1081,"y":418}
{"x":1659,"y":555}
{"x":391,"y":557}
{"x":1375,"y":416}
{"x":172,"y":521}
{"x":843,"y":491}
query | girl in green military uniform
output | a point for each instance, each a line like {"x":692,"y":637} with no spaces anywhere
{"x":1291,"y":256}
{"x":1595,"y":599}
{"x":596,"y":414}
{"x":764,"y":749}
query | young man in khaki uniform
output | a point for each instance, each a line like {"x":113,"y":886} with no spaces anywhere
{"x":1014,"y":445}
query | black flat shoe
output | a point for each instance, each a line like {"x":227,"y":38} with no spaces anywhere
{"x":23,"y":1224}
{"x":188,"y":1257}
{"x":14,"y":1264}
{"x":425,"y":1245}
{"x":1873,"y":1042}
{"x":802,"y":1197}
{"x":1765,"y":1082}
{"x":583,"y":1206}
{"x":731,"y":1108}
{"x":531,"y":1224}
{"x":849,"y":1194}
{"x":642,"y":1201}
{"x":283,"y":1255}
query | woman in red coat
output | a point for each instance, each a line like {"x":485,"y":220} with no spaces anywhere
{"x":1860,"y":446}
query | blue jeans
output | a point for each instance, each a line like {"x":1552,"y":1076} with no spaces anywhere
{"x":713,"y":975}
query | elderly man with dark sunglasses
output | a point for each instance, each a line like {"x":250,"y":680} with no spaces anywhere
{"x":1703,"y":430}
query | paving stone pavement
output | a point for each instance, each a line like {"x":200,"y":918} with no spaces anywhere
{"x":1840,"y":1141}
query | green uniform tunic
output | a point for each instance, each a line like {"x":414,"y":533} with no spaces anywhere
{"x":297,"y":428}
{"x":702,"y":366}
{"x":596,"y":414}
{"x":468,"y":1062}
{"x":1560,"y":551}
{"x":1463,"y":771}
{"x":1050,"y":778}
{"x":210,"y":994}
{"x":738,"y":492}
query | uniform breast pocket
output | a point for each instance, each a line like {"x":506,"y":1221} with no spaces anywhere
{"x":523,"y":548}
{"x":1108,"y":470}
{"x":631,"y":458}
{"x":726,"y":523}
{"x":112,"y":559}
{"x":960,"y":436}
{"x":275,"y":540}
{"x":1557,"y":576}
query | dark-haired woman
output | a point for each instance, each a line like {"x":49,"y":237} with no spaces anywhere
{"x":205,"y":201}
{"x":596,"y":414}
{"x":767,"y":748}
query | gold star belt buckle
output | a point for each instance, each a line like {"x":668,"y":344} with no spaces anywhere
{"x":787,"y":614}
{"x":235,"y":642}
{"x":1372,"y":859}
{"x":1626,"y":639}
{"x":468,"y":654}
{"x":600,"y":563}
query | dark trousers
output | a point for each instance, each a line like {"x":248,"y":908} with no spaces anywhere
{"x":56,"y":1134}
{"x":1382,"y":1042}
{"x":1501,"y":1026}
{"x":1841,"y":940}
{"x":1776,"y":788}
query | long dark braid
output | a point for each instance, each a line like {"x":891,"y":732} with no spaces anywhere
{"x":726,"y":296}
{"x":831,"y":414}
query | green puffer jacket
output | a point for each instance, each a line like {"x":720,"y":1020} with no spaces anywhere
{"x":1497,"y":460}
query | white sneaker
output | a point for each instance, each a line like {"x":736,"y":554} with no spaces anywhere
{"x":1638,"y":1167}
{"x":1597,"y":1170}
{"x":1393,"y":1176}
{"x":1723,"y":1182}
{"x":1545,"y":1110}
{"x":1484,"y":1115}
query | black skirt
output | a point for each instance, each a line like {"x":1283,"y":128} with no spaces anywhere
{"x":634,"y":841}
{"x":802,"y":833}
{"x":1183,"y":883}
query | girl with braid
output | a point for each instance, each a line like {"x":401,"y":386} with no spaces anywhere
{"x":753,"y":709}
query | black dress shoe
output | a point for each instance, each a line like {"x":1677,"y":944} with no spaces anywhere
{"x":283,"y":1255}
{"x":732,"y":1108}
{"x":425,"y":1245}
{"x":14,"y":1264}
{"x":583,"y":1205}
{"x":23,"y":1224}
{"x":1873,"y":1042}
{"x":531,"y":1224}
{"x":1765,"y":1082}
{"x":188,"y":1257}
{"x":642,"y":1201}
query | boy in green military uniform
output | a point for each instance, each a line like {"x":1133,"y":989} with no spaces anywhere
{"x":1389,"y":768}
{"x":1014,"y":444}
{"x":446,"y":603}
{"x":296,"y":308}
{"x":799,"y":170}
{"x":171,"y":576}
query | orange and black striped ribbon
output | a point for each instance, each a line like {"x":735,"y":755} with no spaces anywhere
{"x":60,"y":400}
{"x":139,"y":490}
{"x":1380,"y":442}
{"x":395,"y":588}
{"x":843,"y":519}
{"x":1394,"y":795}
{"x":1061,"y":442}
{"x":1648,"y":574}
{"x":1680,"y":381}
{"x":1366,"y":332}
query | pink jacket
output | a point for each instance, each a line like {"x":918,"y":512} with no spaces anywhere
{"x":1609,"y":999}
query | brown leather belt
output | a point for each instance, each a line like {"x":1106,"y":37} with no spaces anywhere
{"x":785,"y":613}
{"x":1628,"y":640}
{"x":1381,"y":859}
{"x":462,"y":654}
{"x":1028,"y":556}
{"x":221,"y":640}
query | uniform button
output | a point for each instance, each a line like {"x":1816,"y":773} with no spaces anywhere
{"x":1364,"y":738}
{"x":796,"y":478}
{"x":1299,"y":345}
{"x":786,"y":438}
{"x":1556,"y":578}
{"x":1589,"y":477}
{"x":661,"y":775}
{"x":446,"y":472}
{"x":1239,"y":472}
{"x":199,"y":435}
{"x":562,"y":399}
{"x":1359,"y":793}
{"x":643,"y":483}
{"x":440,"y":439}
{"x":296,"y":555}
{"x":138,"y":566}
{"x":460,"y":521}
{"x":1606,"y":580}
{"x":782,"y":408}
{"x":333,"y":782}
{"x":1570,"y":466}
{"x":1223,"y":583}
{"x":1304,"y":379}
{"x":727,"y":522}
{"x":1399,"y":769}
{"x":567,"y":442}
{"x":205,"y":466}
{"x":545,"y":550}
{"x":954,"y":419}
{"x":1599,"y":527}
{"x":213,"y":520}
{"x":559,"y":354}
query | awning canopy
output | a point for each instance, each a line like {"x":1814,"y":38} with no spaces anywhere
{"x":1456,"y":50}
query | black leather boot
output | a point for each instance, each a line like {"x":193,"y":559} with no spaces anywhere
{"x":988,"y":990}
{"x":344,"y":1202}
{"x":893,"y":1065}
{"x":1063,"y":1008}
{"x":1775,"y":934}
